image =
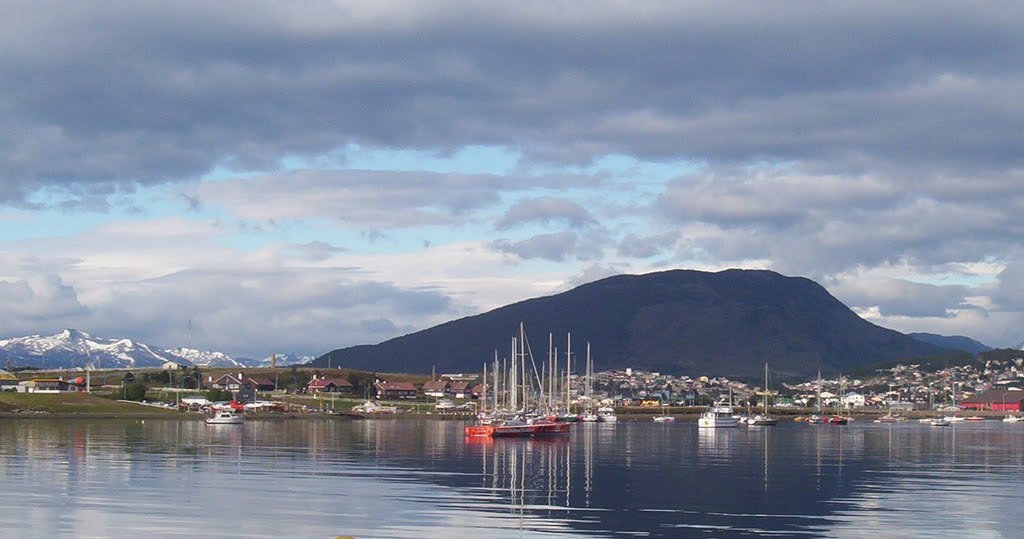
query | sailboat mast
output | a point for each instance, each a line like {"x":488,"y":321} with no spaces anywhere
{"x":514,"y":394}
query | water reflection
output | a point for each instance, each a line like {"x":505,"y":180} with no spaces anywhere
{"x":412,"y":478}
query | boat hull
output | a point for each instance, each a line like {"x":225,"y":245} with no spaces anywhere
{"x":518,"y":431}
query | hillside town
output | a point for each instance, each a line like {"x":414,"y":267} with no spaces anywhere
{"x":994,"y":384}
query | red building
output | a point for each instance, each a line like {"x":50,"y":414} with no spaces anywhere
{"x":999,"y":400}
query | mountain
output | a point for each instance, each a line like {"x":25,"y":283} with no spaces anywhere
{"x":72,"y":348}
{"x":686,"y":322}
{"x":956,"y":342}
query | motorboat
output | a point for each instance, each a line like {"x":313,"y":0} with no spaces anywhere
{"x":718,"y":416}
{"x":1010,"y":418}
{"x":606,"y":414}
{"x":761,"y":420}
{"x":940,"y":422}
{"x":225,"y":418}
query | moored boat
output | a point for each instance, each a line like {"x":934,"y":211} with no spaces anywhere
{"x":717,"y":416}
{"x":519,"y":428}
{"x":606,"y":414}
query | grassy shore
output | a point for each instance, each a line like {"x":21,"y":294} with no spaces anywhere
{"x":74,"y":403}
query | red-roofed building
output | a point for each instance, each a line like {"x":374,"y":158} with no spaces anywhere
{"x":436,"y":388}
{"x":394,"y":390}
{"x":329,"y":385}
{"x":459,"y":390}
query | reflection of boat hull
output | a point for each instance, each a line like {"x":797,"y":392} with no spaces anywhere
{"x":225,"y":419}
{"x":521,"y":431}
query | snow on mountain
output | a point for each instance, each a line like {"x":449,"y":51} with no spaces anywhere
{"x":285,"y":360}
{"x":72,"y":348}
{"x":191,"y":356}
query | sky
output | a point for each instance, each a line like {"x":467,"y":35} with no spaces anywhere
{"x":293,"y":177}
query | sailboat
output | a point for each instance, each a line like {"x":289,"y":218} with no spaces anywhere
{"x":763,"y":419}
{"x":664,"y":417}
{"x":519,"y":421}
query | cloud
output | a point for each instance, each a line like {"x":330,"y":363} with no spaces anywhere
{"x":545,"y":210}
{"x":26,"y":302}
{"x":898,"y":297}
{"x":245,"y":85}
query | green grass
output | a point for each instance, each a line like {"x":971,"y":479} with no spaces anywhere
{"x":73,"y":403}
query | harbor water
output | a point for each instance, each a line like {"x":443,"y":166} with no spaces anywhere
{"x":325,"y":477}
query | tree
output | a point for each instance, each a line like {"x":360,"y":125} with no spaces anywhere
{"x":135,"y":391}
{"x":217,"y":394}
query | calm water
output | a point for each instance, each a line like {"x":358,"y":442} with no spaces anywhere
{"x":409,"y":478}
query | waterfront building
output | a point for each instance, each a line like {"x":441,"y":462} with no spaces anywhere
{"x":1000,"y":400}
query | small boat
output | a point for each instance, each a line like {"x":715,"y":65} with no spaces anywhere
{"x":589,"y":417}
{"x":225,"y":418}
{"x":837,"y":420}
{"x":940,"y":422}
{"x":889,"y":418}
{"x":717,"y":416}
{"x":814,"y":419}
{"x":760,"y":420}
{"x":1010,"y":418}
{"x":974,"y":418}
{"x":664,"y":417}
{"x":371,"y":407}
{"x":606,"y":414}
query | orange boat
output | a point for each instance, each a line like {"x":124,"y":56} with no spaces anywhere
{"x":519,"y":429}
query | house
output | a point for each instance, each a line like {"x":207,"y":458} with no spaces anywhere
{"x":1004,"y":400}
{"x":854,"y":400}
{"x":436,"y":388}
{"x":236,"y":381}
{"x":394,"y":390}
{"x":478,"y":390}
{"x":459,"y":390}
{"x":320,"y":384}
{"x":46,"y":385}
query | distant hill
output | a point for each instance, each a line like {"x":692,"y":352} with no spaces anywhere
{"x":686,"y":322}
{"x":956,"y":342}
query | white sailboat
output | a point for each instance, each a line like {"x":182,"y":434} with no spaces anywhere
{"x":763,"y":419}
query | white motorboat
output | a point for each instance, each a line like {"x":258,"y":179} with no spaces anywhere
{"x":718,"y":416}
{"x":606,"y":414}
{"x":1010,"y":418}
{"x":225,"y":418}
{"x":940,"y":422}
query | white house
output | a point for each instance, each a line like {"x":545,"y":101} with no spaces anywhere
{"x":853,"y":400}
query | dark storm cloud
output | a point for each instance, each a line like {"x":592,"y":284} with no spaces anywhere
{"x":147,"y":92}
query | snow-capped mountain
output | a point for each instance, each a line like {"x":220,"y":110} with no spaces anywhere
{"x":72,"y":348}
{"x":285,"y":360}
{"x":191,"y":356}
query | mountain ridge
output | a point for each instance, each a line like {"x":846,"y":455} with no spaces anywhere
{"x":683,"y":321}
{"x":72,"y":348}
